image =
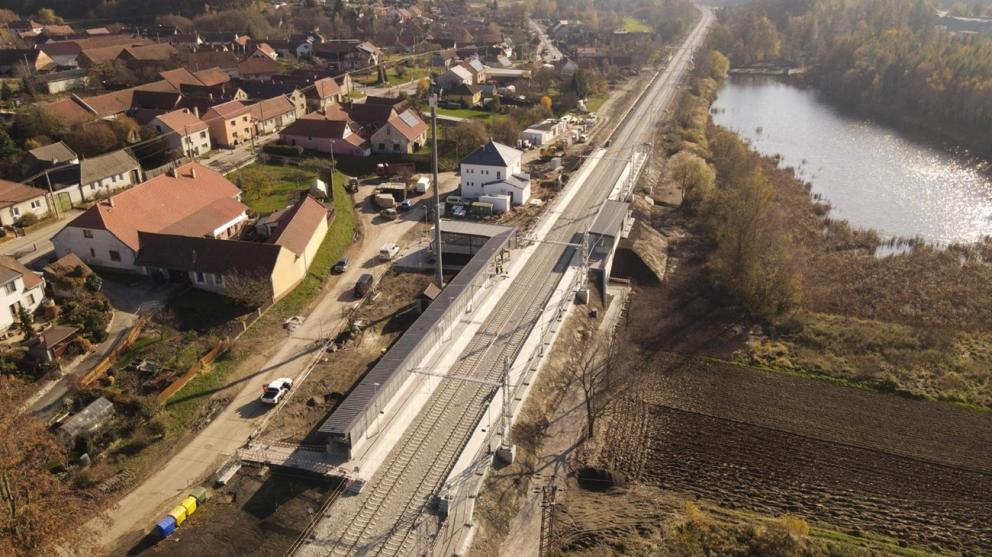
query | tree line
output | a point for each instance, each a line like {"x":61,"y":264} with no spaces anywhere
{"x":887,"y":57}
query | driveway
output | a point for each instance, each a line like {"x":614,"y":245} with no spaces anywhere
{"x":35,"y":247}
{"x":229,"y":160}
{"x":230,"y":429}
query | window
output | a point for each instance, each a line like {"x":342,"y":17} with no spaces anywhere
{"x":92,"y":252}
{"x":16,"y":211}
{"x":245,"y":118}
{"x":31,"y":299}
{"x":203,"y":135}
{"x":499,"y":175}
{"x":200,"y":277}
{"x":10,"y":288}
{"x":35,"y":204}
{"x":382,"y":146}
{"x":115,"y":255}
{"x":87,"y":233}
{"x":219,"y":280}
{"x":396,"y":147}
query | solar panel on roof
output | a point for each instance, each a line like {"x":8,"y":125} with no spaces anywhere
{"x":409,"y":118}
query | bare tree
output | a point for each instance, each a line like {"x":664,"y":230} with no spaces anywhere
{"x":249,"y":289}
{"x":594,"y":370}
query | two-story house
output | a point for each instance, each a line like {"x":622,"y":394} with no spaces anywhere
{"x":183,"y":131}
{"x":229,"y":123}
{"x":495,"y":169}
{"x":19,"y":288}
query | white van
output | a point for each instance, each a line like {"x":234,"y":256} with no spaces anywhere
{"x":388,"y":251}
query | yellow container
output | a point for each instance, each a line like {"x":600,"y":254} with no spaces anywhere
{"x":189,"y":504}
{"x":178,"y":513}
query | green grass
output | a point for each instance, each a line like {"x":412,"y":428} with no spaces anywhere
{"x":634,"y":25}
{"x":594,"y":103}
{"x":287,"y":182}
{"x":468,"y":113}
{"x":185,"y":405}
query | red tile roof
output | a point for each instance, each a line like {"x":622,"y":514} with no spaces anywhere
{"x":12,"y":193}
{"x":409,"y":124}
{"x":179,"y":76}
{"x":204,"y":202}
{"x":316,"y":125}
{"x":298,"y":225}
{"x":109,"y":104}
{"x":212,"y":76}
{"x":182,"y":122}
{"x":229,"y":109}
{"x":270,"y":108}
{"x":30,"y":278}
{"x":258,"y":66}
{"x":68,"y":111}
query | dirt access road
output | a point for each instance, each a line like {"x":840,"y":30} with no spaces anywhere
{"x":133,"y":515}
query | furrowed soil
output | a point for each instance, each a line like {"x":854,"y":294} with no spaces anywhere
{"x":849,"y":460}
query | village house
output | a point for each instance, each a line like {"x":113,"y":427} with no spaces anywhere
{"x":472,"y":72}
{"x":264,"y":271}
{"x":17,"y":200}
{"x":325,"y":134}
{"x":229,"y":123}
{"x":261,"y":50}
{"x":47,"y":156}
{"x":193,"y":200}
{"x":102,"y":175}
{"x":260,"y":68}
{"x":20,"y":287}
{"x":348,"y":54}
{"x":258,"y":91}
{"x":466,"y":94}
{"x":24,"y":61}
{"x":544,"y":132}
{"x":183,"y":131}
{"x":272,"y":115}
{"x":403,"y":133}
{"x":322,"y":93}
{"x":492,"y":170}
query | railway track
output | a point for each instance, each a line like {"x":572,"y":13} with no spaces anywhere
{"x":384,"y":517}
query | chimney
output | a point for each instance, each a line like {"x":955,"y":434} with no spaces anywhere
{"x":196,"y":111}
{"x":110,"y":201}
{"x":192,"y":173}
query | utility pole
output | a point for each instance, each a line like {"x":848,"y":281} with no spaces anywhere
{"x":438,"y":270}
{"x":55,"y":200}
{"x":506,"y":451}
{"x":549,"y":493}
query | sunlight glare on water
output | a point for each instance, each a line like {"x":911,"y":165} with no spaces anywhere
{"x":872,"y":175}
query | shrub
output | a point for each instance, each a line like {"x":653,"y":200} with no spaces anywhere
{"x":94,"y":283}
{"x":283,"y":150}
{"x":27,"y":220}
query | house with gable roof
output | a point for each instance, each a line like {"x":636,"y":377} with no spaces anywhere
{"x":495,"y":169}
{"x":193,"y":200}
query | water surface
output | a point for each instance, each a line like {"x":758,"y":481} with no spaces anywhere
{"x":873,"y":176}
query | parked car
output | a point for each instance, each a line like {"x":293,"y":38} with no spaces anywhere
{"x":363,"y":285}
{"x":406,"y":205}
{"x":275,"y":390}
{"x":388,"y":251}
{"x":458,"y":211}
{"x":389,"y":214}
{"x":341,"y":266}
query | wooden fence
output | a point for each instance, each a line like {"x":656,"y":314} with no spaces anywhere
{"x":120,"y":346}
{"x":194,"y":369}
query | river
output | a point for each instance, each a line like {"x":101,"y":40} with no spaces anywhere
{"x":873,"y":176}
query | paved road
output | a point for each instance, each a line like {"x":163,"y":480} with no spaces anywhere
{"x":390,"y":516}
{"x":548,"y":52}
{"x":228,"y":160}
{"x":36,"y":246}
{"x":229,"y":430}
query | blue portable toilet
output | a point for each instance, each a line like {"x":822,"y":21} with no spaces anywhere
{"x":165,"y":527}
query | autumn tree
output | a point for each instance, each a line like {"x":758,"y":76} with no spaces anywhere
{"x":46,"y":16}
{"x":33,"y":121}
{"x":466,"y":136}
{"x":546,"y":102}
{"x":505,"y":130}
{"x":694,"y":177}
{"x":39,"y":510}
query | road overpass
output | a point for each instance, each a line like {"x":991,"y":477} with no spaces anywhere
{"x":390,"y":515}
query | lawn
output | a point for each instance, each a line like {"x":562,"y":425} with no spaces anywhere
{"x":634,"y":25}
{"x":284,"y":183}
{"x":185,"y":405}
{"x":595,"y":102}
{"x":463,"y":113}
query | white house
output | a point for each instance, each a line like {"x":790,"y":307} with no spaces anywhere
{"x":19,"y":287}
{"x":192,"y":200}
{"x":544,"y":132}
{"x":183,"y":131}
{"x":494,"y":169}
{"x":17,"y":200}
{"x":107,"y":173}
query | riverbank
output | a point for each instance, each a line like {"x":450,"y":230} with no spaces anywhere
{"x":914,"y":323}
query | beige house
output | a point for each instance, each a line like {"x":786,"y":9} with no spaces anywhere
{"x":229,"y":123}
{"x":272,"y":115}
{"x":253,"y":272}
{"x":403,"y":133}
{"x":322,"y":94}
{"x":183,"y":131}
{"x":17,"y":200}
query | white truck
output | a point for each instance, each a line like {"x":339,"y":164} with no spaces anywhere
{"x":423,"y":184}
